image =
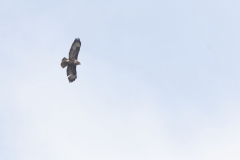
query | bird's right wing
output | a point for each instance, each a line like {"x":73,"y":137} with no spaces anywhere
{"x":71,"y":73}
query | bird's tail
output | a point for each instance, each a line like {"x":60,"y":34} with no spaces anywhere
{"x":64,"y":62}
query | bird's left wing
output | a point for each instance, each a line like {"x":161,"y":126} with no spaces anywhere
{"x":75,"y":48}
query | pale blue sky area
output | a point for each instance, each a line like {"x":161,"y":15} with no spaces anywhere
{"x":159,"y":80}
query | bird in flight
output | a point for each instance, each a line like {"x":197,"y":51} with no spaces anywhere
{"x":72,"y":61}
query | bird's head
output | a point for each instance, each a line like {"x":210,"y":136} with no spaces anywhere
{"x":77,"y":62}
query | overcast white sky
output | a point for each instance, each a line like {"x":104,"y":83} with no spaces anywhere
{"x":159,"y":80}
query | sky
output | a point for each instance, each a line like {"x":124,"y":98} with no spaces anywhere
{"x":157,"y":80}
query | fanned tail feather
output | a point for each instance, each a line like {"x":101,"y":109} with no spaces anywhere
{"x":64,"y":59}
{"x":64,"y":63}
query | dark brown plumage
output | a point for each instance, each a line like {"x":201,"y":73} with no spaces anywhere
{"x":72,"y":62}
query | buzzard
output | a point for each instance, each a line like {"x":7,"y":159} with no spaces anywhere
{"x":72,"y":61}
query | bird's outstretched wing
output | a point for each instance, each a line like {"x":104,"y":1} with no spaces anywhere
{"x":71,"y":73}
{"x":75,"y":48}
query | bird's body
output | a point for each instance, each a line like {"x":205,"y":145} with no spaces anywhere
{"x":72,"y":62}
